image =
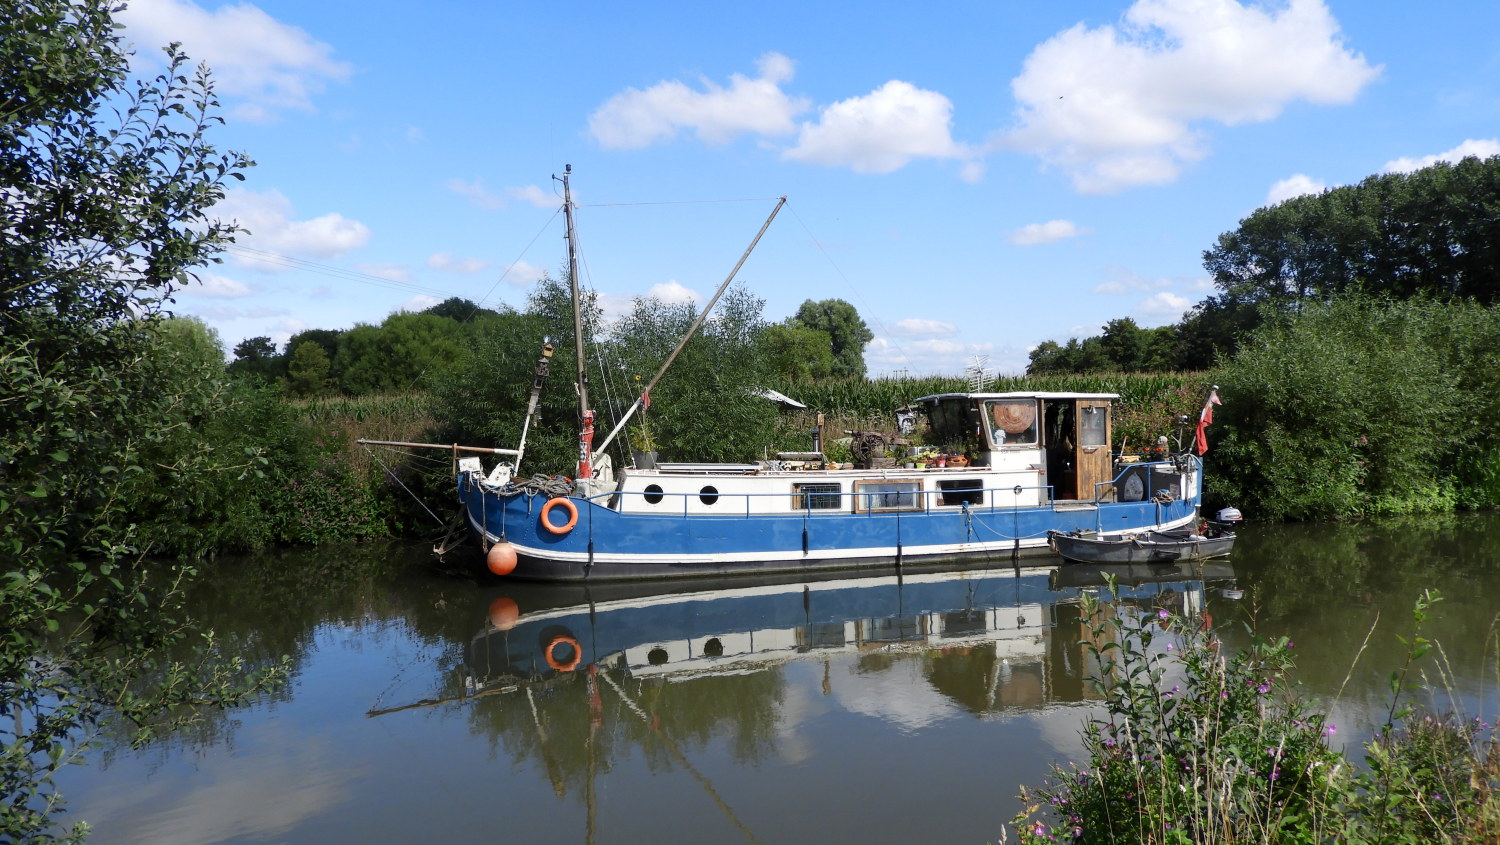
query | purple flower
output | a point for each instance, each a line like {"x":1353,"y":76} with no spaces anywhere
{"x":1263,"y":689}
{"x":1330,"y":730}
{"x":1162,"y":614}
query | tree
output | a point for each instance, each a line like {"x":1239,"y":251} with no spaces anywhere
{"x":256,"y":357}
{"x":458,"y":309}
{"x":795,"y":351}
{"x":400,"y":354}
{"x":107,"y":182}
{"x":844,"y":327}
{"x":307,"y":371}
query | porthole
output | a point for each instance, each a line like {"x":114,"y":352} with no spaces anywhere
{"x":708,"y":495}
{"x":656,"y":656}
{"x":653,"y":494}
{"x":713,"y":648}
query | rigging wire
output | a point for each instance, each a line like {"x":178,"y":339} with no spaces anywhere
{"x":890,"y":336}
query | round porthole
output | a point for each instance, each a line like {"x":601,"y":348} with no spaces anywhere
{"x":653,"y":494}
{"x":713,"y":648}
{"x":708,"y":495}
{"x":656,"y":656}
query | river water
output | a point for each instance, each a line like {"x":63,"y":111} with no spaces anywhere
{"x":426,"y":705}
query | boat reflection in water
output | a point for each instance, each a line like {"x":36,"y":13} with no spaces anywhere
{"x":1027,"y":622}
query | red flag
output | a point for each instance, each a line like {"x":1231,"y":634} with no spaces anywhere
{"x":1205,"y":418}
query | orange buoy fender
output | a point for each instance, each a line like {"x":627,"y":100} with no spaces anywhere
{"x":551,"y":653}
{"x":504,"y":613}
{"x":567,"y":505}
{"x":501,"y":559}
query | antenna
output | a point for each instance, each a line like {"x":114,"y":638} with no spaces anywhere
{"x":979,"y":379}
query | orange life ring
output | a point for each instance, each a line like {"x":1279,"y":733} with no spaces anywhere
{"x":567,"y":505}
{"x":563,"y":639}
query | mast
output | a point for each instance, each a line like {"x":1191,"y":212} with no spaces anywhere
{"x":688,"y":335}
{"x":585,"y":416}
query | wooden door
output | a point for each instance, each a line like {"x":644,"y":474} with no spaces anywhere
{"x":1092,"y":458}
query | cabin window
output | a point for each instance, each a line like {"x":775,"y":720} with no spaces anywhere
{"x":1012,"y":422}
{"x":816,"y":497}
{"x":887,"y":495}
{"x":1092,"y":425}
{"x":708,"y":495}
{"x":960,"y":491}
{"x":653,"y":494}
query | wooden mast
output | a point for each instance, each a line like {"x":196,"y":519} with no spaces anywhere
{"x":585,"y":416}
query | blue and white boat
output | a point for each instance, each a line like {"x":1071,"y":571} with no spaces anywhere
{"x":1042,"y":464}
{"x":1021,"y":465}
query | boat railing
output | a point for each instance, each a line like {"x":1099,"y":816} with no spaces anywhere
{"x":1176,"y":466}
{"x":841,"y":502}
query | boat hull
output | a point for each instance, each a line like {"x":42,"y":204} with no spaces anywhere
{"x":606,"y":544}
{"x":1142,"y":547}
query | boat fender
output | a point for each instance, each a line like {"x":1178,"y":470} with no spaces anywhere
{"x":551,"y":652}
{"x":567,"y":505}
{"x":501,"y":558}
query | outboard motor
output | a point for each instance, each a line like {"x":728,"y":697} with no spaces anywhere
{"x":1227,"y":519}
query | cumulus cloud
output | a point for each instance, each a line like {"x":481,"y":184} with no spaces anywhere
{"x":393,"y":272}
{"x":532,"y":195}
{"x":268,"y":217}
{"x":639,"y":118}
{"x":1119,"y":107}
{"x":881,"y":131}
{"x":917,"y":327}
{"x":420,"y":302}
{"x":216,"y":287}
{"x":1481,"y":148}
{"x":479,"y":196}
{"x":522,"y":273}
{"x":264,"y":64}
{"x":1292,"y":186}
{"x":932,"y":356}
{"x":671,"y":291}
{"x":1164,"y":307}
{"x":445,"y":262}
{"x":1045,"y":233}
{"x":1124,"y":281}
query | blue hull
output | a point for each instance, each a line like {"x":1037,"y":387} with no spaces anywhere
{"x":607,"y":544}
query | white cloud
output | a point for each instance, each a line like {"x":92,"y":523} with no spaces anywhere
{"x":479,"y":196}
{"x":881,"y":131}
{"x":1296,"y":185}
{"x":1164,"y":307}
{"x":1481,"y":148}
{"x":216,"y":287}
{"x":917,"y":327}
{"x":394,"y":272}
{"x":445,"y":262}
{"x":1045,"y":233}
{"x":671,"y":291}
{"x":933,"y":356}
{"x":634,"y":118}
{"x":268,"y":217}
{"x":267,"y":65}
{"x":414,"y":135}
{"x":533,"y":195}
{"x":1119,"y":107}
{"x":420,"y":302}
{"x":1123,"y":281}
{"x":523,"y":273}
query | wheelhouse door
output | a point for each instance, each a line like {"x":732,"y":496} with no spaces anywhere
{"x":1093,"y":459}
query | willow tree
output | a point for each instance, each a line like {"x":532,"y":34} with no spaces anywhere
{"x":107,"y":179}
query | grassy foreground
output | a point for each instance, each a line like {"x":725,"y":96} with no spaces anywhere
{"x":1197,"y":746}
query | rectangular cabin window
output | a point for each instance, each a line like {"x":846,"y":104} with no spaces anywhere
{"x":1092,"y":425}
{"x":961,"y":490}
{"x":1011,"y":422}
{"x":816,"y":497}
{"x":887,"y":495}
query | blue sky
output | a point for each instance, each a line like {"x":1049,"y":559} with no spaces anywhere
{"x":975,"y":178}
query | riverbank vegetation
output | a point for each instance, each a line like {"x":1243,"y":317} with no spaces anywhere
{"x":1201,"y":746}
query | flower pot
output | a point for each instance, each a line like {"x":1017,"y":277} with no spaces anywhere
{"x":643,"y":460}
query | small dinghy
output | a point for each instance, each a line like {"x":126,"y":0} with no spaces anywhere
{"x":1142,"y":546}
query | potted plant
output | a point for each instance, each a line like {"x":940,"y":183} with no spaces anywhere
{"x":642,"y":445}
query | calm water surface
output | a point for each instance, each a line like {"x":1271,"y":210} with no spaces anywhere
{"x":429,"y":707}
